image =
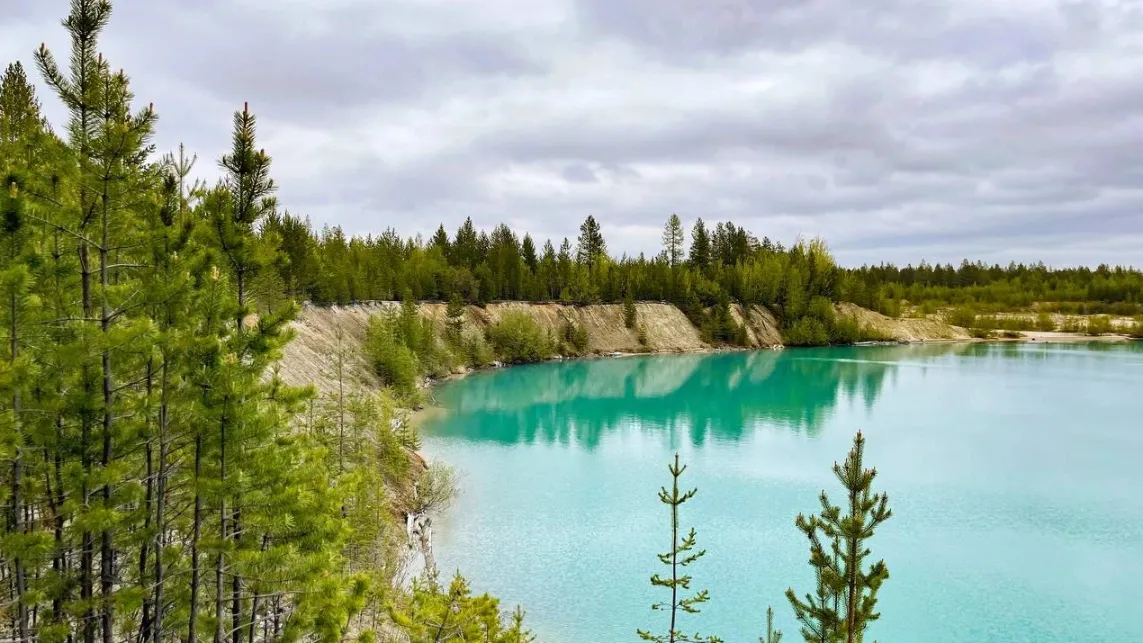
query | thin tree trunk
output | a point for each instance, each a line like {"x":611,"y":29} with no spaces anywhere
{"x":674,"y":557}
{"x":87,"y":555}
{"x":218,"y":570}
{"x":236,"y":581}
{"x":196,"y":575}
{"x":107,"y":554}
{"x":236,"y":520}
{"x":160,"y":504}
{"x":851,"y":635}
{"x":144,"y":634}
{"x":254,"y":601}
{"x":18,"y":482}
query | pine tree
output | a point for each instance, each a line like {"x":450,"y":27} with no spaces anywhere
{"x":591,"y":246}
{"x":700,"y":246}
{"x":673,"y":240}
{"x":845,"y":600}
{"x":682,"y":555}
{"x":440,"y":242}
{"x":630,"y":316}
{"x":528,"y":252}
{"x":455,"y":314}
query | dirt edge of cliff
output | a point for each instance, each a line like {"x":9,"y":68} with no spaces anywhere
{"x":320,"y":330}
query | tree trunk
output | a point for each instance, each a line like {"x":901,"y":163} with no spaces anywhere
{"x":18,"y":484}
{"x":87,"y":554}
{"x":219,"y":594}
{"x":107,"y":554}
{"x":148,"y":503}
{"x":160,"y":504}
{"x":196,"y":575}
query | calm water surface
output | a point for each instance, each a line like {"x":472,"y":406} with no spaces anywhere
{"x":1014,"y":472}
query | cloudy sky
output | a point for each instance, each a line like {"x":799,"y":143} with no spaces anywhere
{"x":899,"y":130}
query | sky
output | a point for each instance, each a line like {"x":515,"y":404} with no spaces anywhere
{"x":898,"y":130}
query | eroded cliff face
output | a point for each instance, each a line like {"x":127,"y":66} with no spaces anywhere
{"x":310,"y":358}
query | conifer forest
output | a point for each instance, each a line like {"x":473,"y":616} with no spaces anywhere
{"x":162,"y":484}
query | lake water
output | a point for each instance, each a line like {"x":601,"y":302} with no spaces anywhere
{"x":1014,"y":471}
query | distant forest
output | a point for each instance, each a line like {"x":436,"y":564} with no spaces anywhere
{"x":479,"y":266}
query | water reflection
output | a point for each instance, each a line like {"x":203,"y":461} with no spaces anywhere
{"x":717,"y":397}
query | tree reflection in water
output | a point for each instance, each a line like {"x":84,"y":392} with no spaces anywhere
{"x":720,"y":397}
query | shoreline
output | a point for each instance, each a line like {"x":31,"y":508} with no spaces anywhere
{"x":1029,"y":337}
{"x":416,"y":416}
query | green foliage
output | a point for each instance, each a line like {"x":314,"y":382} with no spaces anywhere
{"x":844,"y":600}
{"x":807,"y":331}
{"x":403,"y":345}
{"x":455,"y":313}
{"x":516,"y":338}
{"x":392,"y":359}
{"x":673,"y":241}
{"x":718,"y":326}
{"x":573,"y":339}
{"x":681,"y":556}
{"x":455,"y":615}
{"x":1044,"y":322}
{"x":1135,"y":331}
{"x":630,"y":315}
{"x":847,"y":330}
{"x":963,"y":316}
{"x":1099,"y":325}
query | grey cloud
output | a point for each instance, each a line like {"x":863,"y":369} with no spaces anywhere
{"x":907,"y":30}
{"x":579,"y":173}
{"x":342,"y":58}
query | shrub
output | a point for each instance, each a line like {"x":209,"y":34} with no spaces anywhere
{"x":517,"y":338}
{"x":889,"y":307}
{"x":962,"y":316}
{"x":1099,"y":325}
{"x":807,"y":331}
{"x":847,"y":330}
{"x":475,"y":350}
{"x":573,"y":339}
{"x":1044,"y":322}
{"x":642,"y":336}
{"x":1073,"y":325}
{"x":1136,"y":328}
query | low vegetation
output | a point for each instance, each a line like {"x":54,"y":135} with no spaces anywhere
{"x":518,"y":339}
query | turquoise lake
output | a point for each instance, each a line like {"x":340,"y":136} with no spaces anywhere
{"x":1014,"y":471}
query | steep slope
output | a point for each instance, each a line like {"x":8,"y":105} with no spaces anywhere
{"x":309,"y":359}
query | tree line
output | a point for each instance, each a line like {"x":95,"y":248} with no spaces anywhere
{"x":722,"y":265}
{"x":995,"y":288}
{"x":719,"y":264}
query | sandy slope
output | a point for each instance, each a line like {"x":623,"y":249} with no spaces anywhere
{"x":310,"y":357}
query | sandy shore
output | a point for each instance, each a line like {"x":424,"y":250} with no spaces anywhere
{"x":1056,"y":337}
